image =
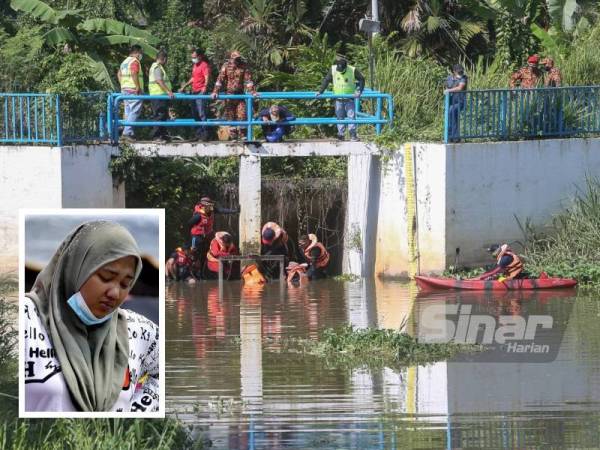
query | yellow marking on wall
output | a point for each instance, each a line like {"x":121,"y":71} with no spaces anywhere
{"x":411,"y":390}
{"x":411,"y":210}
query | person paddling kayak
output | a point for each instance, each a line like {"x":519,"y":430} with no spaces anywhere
{"x":508,"y":264}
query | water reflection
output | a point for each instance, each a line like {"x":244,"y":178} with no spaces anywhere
{"x":224,"y":356}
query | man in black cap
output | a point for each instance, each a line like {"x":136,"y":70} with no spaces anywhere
{"x":347,"y":80}
{"x":508,"y":264}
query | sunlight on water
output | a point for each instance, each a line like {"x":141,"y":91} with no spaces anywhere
{"x":227,"y":373}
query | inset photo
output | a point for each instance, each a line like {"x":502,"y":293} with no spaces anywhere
{"x":91,"y":313}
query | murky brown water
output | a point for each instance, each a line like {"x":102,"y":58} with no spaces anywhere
{"x":226,"y":374}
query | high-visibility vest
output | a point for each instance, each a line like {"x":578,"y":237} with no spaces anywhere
{"x":127,"y":76}
{"x":343,"y":82}
{"x":153,"y":87}
{"x":323,"y":258}
{"x":514,"y":268}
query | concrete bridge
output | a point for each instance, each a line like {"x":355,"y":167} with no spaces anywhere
{"x":462,"y":196}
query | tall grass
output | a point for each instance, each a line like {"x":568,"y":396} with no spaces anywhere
{"x":571,"y":248}
{"x":79,"y":434}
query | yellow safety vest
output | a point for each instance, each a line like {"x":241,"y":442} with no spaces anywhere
{"x":343,"y":83}
{"x":153,"y":87}
{"x":127,"y":76}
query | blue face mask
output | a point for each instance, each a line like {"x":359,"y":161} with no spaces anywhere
{"x":80,"y":308}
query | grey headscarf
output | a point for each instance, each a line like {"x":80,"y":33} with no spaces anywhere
{"x":93,"y":359}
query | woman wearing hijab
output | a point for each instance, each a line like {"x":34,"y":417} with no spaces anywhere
{"x":82,"y":351}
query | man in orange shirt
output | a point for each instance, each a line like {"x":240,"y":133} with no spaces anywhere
{"x":199,"y":82}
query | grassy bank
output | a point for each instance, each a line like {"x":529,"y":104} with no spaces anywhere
{"x":568,"y":248}
{"x":375,"y":348}
{"x":571,"y":247}
{"x":81,"y":434}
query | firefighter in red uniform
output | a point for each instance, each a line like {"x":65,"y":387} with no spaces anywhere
{"x":178,"y":266}
{"x":508,"y":264}
{"x":202,"y":223}
{"x":274,"y":240}
{"x":221,"y":245}
{"x":315,"y":255}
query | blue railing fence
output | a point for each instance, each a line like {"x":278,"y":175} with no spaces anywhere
{"x":83,"y":117}
{"x":52,"y":119}
{"x":30,"y":118}
{"x":382,"y":114}
{"x":508,"y":114}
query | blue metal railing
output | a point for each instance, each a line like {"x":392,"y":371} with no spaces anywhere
{"x":382,"y":114}
{"x":507,"y":114}
{"x":30,"y":118}
{"x":53,"y":119}
{"x":95,"y":116}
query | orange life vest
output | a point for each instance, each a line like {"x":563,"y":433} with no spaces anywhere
{"x":296,"y":269}
{"x":252,"y":276}
{"x":514,"y":268}
{"x":205,"y":224}
{"x":181,"y":259}
{"x":323,"y":258}
{"x":212,"y":258}
{"x":280,"y":233}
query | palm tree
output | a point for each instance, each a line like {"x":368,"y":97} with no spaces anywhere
{"x":70,"y":31}
{"x":439,"y":28}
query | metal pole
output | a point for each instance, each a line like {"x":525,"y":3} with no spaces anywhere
{"x":371,"y":62}
{"x":375,"y":11}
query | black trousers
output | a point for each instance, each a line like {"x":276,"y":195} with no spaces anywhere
{"x":160,"y":113}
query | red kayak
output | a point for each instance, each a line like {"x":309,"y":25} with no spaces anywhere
{"x":430,"y":283}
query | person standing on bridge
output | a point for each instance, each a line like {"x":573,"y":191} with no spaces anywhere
{"x":455,"y":83}
{"x":235,"y":77}
{"x":199,"y":82}
{"x":552,"y":77}
{"x":131,"y":79}
{"x":159,"y":84}
{"x":528,"y":77}
{"x":346,"y":80}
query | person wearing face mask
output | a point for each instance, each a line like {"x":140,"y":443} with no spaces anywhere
{"x":273,"y":131}
{"x":159,"y":84}
{"x":131,"y":79}
{"x":234,"y":78}
{"x":346,"y":80}
{"x":199,"y":82}
{"x":552,"y":76}
{"x":82,"y":351}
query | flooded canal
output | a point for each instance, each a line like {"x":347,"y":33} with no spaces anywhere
{"x":227,"y":373}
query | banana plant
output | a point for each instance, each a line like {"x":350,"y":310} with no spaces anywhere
{"x":92,"y":37}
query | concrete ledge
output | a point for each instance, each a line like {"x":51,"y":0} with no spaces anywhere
{"x":227,"y":149}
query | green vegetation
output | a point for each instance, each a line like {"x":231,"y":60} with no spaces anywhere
{"x":571,"y":247}
{"x":76,"y":45}
{"x":373,"y":347}
{"x":84,"y":434}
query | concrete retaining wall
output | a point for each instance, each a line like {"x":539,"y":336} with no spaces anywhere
{"x":466,"y":195}
{"x":52,"y":177}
